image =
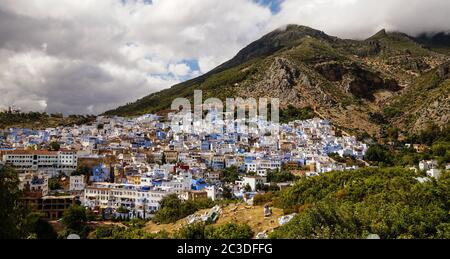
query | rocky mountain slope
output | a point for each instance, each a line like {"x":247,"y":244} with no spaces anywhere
{"x":390,"y":80}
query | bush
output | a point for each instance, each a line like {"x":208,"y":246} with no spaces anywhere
{"x":38,"y":228}
{"x":200,"y":230}
{"x":230,"y":175}
{"x":261,"y":199}
{"x":192,"y":231}
{"x":378,"y":154}
{"x":440,"y":148}
{"x":388,"y":202}
{"x":53,"y":184}
{"x":174,"y":209}
{"x":229,"y":231}
{"x":279,"y":177}
{"x":74,"y":220}
{"x":292,"y":113}
{"x":11,"y":213}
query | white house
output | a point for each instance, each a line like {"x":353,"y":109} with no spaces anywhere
{"x":253,"y":181}
{"x":77,"y":183}
{"x":34,"y":182}
{"x":250,"y":167}
{"x":137,"y":199}
{"x":211,"y":191}
{"x":435,"y":173}
{"x":42,"y":160}
{"x":270,"y":164}
{"x":427,"y":165}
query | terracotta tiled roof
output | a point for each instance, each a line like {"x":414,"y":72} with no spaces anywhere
{"x":31,"y":152}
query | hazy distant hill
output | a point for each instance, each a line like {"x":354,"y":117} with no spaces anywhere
{"x":388,"y":80}
{"x":37,"y":120}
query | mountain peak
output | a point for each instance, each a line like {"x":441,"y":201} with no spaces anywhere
{"x":295,"y":32}
{"x":284,"y":37}
{"x":391,"y":35}
{"x":353,"y":83}
{"x":379,"y":35}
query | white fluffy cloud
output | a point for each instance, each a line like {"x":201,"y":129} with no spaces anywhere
{"x":88,"y":56}
{"x":362,"y":18}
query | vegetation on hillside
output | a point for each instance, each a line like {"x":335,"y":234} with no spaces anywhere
{"x":277,"y":176}
{"x":292,"y":113}
{"x":229,"y":230}
{"x":16,"y":220}
{"x":37,"y":120}
{"x":173,"y":209}
{"x":373,"y":86}
{"x":437,"y":146}
{"x":197,"y":230}
{"x":388,"y":202}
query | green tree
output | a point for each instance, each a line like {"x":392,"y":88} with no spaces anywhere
{"x":114,"y":232}
{"x":229,"y":231}
{"x":392,"y":134}
{"x":122,"y":210}
{"x":275,"y":176}
{"x":173,"y":209}
{"x":251,"y":173}
{"x":389,"y":202}
{"x":36,"y":226}
{"x":74,"y":220}
{"x":377,"y":154}
{"x":261,"y":199}
{"x":443,"y":231}
{"x":247,"y":188}
{"x":81,"y":170}
{"x":192,"y":231}
{"x":231,"y":174}
{"x":12,"y":211}
{"x":54,"y":146}
{"x":227,"y":193}
{"x":292,"y":113}
{"x":53,"y":184}
{"x":440,"y":148}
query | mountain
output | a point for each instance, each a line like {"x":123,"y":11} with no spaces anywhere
{"x":439,"y":42}
{"x":36,"y":120}
{"x":390,"y":80}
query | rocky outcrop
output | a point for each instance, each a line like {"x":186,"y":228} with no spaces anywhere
{"x":280,"y":81}
{"x":332,"y":71}
{"x":369,"y":48}
{"x":444,"y":71}
{"x":366,"y":83}
{"x":406,"y":62}
{"x":437,"y":112}
{"x":282,"y":74}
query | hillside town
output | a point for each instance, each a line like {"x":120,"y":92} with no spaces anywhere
{"x":125,"y":166}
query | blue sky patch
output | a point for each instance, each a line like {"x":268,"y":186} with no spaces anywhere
{"x":146,"y":2}
{"x":192,"y":64}
{"x":274,"y":5}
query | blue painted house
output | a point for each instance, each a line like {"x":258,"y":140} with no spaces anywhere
{"x":199,"y":184}
{"x":100,"y":173}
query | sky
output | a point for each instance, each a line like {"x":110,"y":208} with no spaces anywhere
{"x":86,"y":56}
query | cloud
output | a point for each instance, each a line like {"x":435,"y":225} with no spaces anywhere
{"x":362,"y":18}
{"x":90,"y":56}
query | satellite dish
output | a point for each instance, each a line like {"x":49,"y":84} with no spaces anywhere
{"x":73,"y":236}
